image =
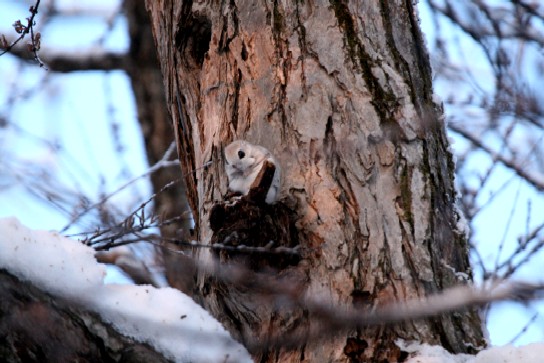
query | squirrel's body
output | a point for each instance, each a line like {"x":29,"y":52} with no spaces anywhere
{"x":243,"y":163}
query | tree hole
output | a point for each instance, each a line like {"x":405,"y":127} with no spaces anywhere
{"x":193,"y":37}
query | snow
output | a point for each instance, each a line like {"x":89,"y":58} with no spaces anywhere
{"x":530,"y":353}
{"x":424,"y":353}
{"x":164,"y":318}
{"x":462,"y":226}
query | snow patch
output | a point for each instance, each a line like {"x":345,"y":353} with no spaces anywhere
{"x":165,"y":318}
{"x":425,"y":353}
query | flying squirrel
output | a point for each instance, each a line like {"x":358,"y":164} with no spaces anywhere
{"x":243,"y":163}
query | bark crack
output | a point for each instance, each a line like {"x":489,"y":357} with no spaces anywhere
{"x":235,"y":104}
{"x":401,"y":64}
{"x":301,"y":31}
{"x":385,"y":103}
{"x":282,"y":65}
{"x":231,"y":18}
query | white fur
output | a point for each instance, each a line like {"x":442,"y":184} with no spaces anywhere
{"x":243,"y":163}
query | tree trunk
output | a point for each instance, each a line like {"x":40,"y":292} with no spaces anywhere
{"x":145,"y":76}
{"x":340,"y":92}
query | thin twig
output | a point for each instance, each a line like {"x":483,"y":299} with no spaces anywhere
{"x":163,"y":163}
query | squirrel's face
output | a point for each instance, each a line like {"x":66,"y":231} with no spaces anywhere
{"x":242,"y":157}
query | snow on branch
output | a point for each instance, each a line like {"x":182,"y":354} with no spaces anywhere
{"x":164,"y":318}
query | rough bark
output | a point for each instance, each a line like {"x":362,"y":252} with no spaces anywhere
{"x":341,"y":93}
{"x":37,"y":327}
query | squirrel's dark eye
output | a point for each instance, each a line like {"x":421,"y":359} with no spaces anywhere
{"x":241,"y":154}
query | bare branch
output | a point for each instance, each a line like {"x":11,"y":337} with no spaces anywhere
{"x":90,"y":61}
{"x":509,"y":163}
{"x":135,"y":268}
{"x":330,"y":319}
{"x":163,"y":163}
{"x":23,"y":30}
